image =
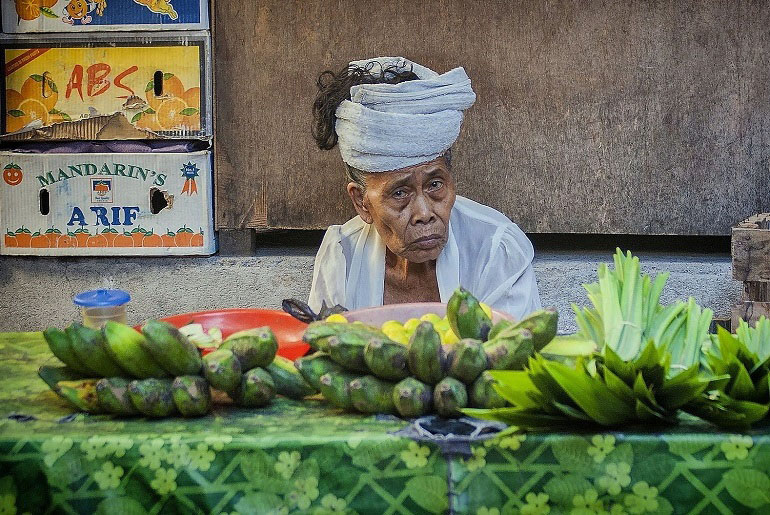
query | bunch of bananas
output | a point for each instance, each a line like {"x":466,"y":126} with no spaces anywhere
{"x":417,"y":368}
{"x":159,"y":372}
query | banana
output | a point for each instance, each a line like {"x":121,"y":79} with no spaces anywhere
{"x":466,"y":316}
{"x":89,"y":347}
{"x":126,"y":346}
{"x":113,"y":396}
{"x":192,"y":396}
{"x":253,"y":347}
{"x":171,"y":349}
{"x":288,"y":380}
{"x":152,"y":397}
{"x":61,"y":347}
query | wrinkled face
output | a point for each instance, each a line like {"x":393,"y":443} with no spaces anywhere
{"x":409,"y":208}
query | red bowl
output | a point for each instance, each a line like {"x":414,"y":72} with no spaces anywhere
{"x":287,"y":329}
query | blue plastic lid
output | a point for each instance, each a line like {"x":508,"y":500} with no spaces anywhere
{"x":101,"y":298}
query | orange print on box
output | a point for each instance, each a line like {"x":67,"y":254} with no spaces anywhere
{"x":156,"y":88}
{"x":12,"y":174}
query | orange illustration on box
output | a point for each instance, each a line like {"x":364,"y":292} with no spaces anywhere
{"x":174,"y":108}
{"x":36,"y":101}
{"x":12,"y":174}
{"x":109,"y":237}
{"x":50,"y":85}
{"x":32,"y":9}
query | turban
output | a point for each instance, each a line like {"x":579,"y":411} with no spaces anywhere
{"x":392,"y":126}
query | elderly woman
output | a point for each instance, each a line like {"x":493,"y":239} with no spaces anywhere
{"x":414,"y":239}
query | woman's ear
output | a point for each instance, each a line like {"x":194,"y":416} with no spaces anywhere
{"x":356,"y":194}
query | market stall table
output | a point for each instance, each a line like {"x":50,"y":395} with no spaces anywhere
{"x":301,"y":457}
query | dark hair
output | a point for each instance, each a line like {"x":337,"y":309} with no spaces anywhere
{"x":333,"y":88}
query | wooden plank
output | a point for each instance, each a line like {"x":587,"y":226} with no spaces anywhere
{"x":751,"y":254}
{"x":750,"y":312}
{"x":237,"y":242}
{"x":592,"y":117}
{"x":753,"y":290}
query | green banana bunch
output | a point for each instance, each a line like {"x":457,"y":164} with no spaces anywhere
{"x":152,"y":397}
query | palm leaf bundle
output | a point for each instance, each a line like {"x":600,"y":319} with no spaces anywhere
{"x":647,"y":367}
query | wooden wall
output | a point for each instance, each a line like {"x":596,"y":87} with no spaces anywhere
{"x":616,"y":116}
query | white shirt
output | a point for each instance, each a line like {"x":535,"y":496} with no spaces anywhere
{"x":485,"y":252}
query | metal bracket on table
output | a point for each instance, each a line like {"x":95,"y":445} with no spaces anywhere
{"x":453,"y":436}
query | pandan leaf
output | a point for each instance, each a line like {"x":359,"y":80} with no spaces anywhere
{"x":625,"y":370}
{"x":189,"y":111}
{"x":136,"y":117}
{"x":742,"y":386}
{"x":590,"y":394}
{"x":572,"y":345}
{"x":519,"y":417}
{"x":571,"y":412}
{"x":515,"y":390}
{"x":682,"y":389}
{"x":618,"y":386}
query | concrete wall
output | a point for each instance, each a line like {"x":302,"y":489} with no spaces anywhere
{"x":37,"y":292}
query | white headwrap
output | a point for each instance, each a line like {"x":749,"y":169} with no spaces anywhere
{"x":391,"y":126}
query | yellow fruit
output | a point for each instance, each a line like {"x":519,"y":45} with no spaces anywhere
{"x":392,"y":325}
{"x":397,"y":334}
{"x":442,"y":325}
{"x":169,"y":113}
{"x":431,"y":317}
{"x":35,"y":110}
{"x":411,"y":324}
{"x":337,"y":319}
{"x":449,"y":337}
{"x":486,"y":309}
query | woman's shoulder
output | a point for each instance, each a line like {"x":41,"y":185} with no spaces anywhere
{"x":487,"y":228}
{"x":348,"y":230}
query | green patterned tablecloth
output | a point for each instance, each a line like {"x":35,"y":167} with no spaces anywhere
{"x":304,"y":458}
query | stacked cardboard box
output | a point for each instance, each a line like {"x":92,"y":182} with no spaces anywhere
{"x":106,"y":136}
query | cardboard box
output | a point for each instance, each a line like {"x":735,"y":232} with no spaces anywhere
{"x":159,"y":84}
{"x":102,"y":15}
{"x":106,"y":204}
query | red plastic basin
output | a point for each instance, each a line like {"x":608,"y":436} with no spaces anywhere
{"x":287,"y":329}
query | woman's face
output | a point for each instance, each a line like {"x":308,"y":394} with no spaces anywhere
{"x":409,"y":208}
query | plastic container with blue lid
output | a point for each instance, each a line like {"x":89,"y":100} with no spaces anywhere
{"x":99,"y":306}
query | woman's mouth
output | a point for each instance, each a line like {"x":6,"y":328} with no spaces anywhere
{"x":427,"y":242}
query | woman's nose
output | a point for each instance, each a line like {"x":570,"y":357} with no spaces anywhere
{"x":422,"y":211}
